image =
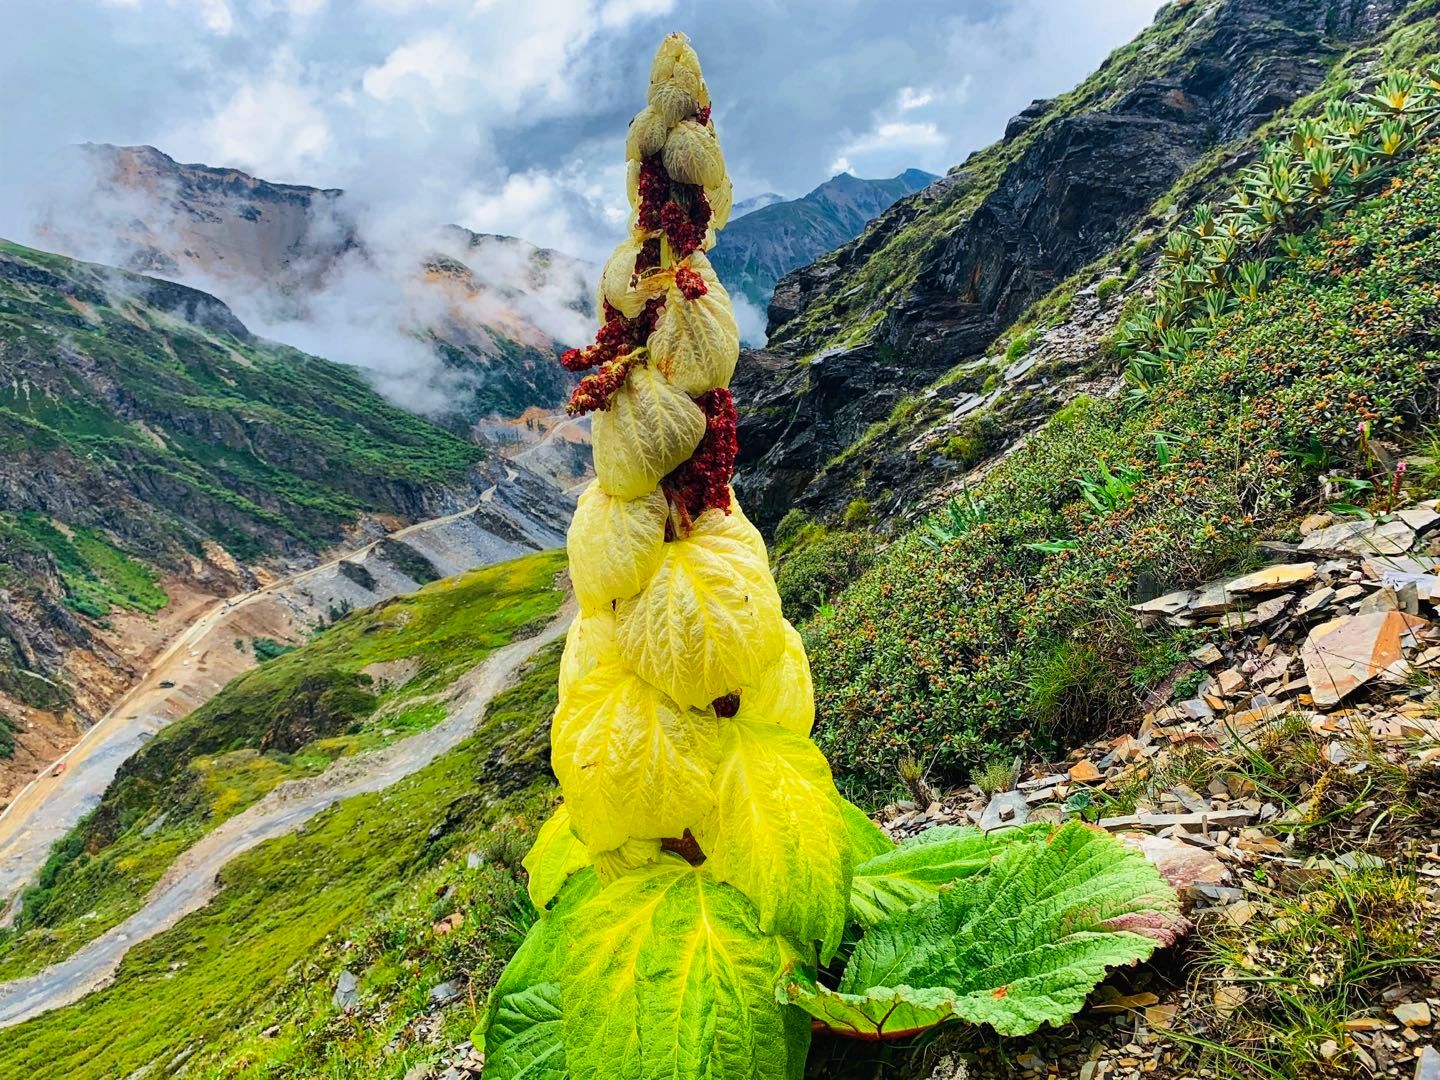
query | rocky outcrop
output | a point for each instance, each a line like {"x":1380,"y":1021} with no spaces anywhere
{"x":1071,"y":180}
{"x":764,"y":245}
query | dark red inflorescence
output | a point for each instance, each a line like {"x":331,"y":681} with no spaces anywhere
{"x":703,"y":482}
{"x":595,"y":390}
{"x":691,"y":285}
{"x":682,"y":213}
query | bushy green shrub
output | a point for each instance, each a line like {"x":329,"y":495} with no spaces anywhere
{"x":934,"y":653}
{"x":1107,"y":289}
{"x":859,"y":511}
{"x":790,"y":527}
{"x":813,"y":574}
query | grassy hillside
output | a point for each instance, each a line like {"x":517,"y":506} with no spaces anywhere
{"x":243,"y":988}
{"x":1007,"y":627}
{"x":374,"y":677}
{"x":153,"y":393}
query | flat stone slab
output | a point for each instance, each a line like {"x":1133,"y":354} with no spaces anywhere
{"x":1361,"y":538}
{"x":1344,"y":654}
{"x":1275,"y":578}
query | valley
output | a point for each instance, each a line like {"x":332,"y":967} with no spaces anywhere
{"x":216,"y":648}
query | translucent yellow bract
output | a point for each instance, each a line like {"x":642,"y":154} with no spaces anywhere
{"x":649,"y":429}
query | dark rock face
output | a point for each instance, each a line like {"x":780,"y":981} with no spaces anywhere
{"x":758,"y":249}
{"x":1077,"y":189}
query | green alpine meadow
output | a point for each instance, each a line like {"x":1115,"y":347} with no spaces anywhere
{"x":611,"y":541}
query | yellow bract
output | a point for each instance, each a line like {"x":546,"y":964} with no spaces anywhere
{"x":649,"y":428}
{"x":676,"y":58}
{"x":619,"y":861}
{"x":721,"y":198}
{"x":783,"y":694}
{"x":619,"y":285}
{"x":556,"y":855}
{"x":709,"y":620}
{"x":589,"y":643}
{"x":632,"y":763}
{"x":647,"y":134}
{"x":696,"y":342}
{"x":691,"y":152}
{"x":674,"y":99}
{"x":614,"y":545}
{"x":778,"y":834}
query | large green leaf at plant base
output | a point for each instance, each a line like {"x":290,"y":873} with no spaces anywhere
{"x":777,"y":833}
{"x":884,"y":1012}
{"x":670,"y":978}
{"x":520,"y":1028}
{"x":916,"y":870}
{"x":1019,"y":946}
{"x":556,"y":854}
{"x":867,"y":839}
{"x":525,"y":1036}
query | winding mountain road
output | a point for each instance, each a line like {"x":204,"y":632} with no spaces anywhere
{"x":201,"y":661}
{"x":192,"y":881}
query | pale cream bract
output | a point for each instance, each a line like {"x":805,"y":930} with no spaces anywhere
{"x":649,"y":429}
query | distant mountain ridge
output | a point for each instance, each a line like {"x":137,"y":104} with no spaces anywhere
{"x":449,"y":322}
{"x":773,"y":238}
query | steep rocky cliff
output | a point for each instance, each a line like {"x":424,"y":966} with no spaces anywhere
{"x":772,"y":238}
{"x":857,"y":339}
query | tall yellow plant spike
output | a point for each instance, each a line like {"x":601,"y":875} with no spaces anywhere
{"x":701,"y":843}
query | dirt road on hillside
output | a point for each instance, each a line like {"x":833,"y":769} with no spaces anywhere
{"x":196,"y":666}
{"x":192,"y":881}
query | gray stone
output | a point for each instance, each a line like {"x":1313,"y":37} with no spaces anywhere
{"x":347,"y":990}
{"x":1361,"y":538}
{"x":1314,"y":601}
{"x":1212,"y":600}
{"x":995,"y":816}
{"x":1169,"y":604}
{"x":1427,"y":1064}
{"x":1418,"y":518}
{"x":444,"y":993}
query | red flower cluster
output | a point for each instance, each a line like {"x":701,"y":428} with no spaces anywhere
{"x":654,"y":192}
{"x":691,"y":285}
{"x":595,"y":390}
{"x":686,"y":229}
{"x":617,"y":336}
{"x":703,"y":482}
{"x":703,"y":116}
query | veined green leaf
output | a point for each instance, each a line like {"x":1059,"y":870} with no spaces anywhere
{"x":670,"y":978}
{"x":556,"y":854}
{"x":519,"y":1028}
{"x":915,"y":871}
{"x":867,"y":839}
{"x":777,"y":833}
{"x":1022,"y":945}
{"x":525,"y":1036}
{"x":883,"y":1012}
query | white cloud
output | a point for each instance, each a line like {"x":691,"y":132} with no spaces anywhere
{"x":276,"y":128}
{"x":910,"y":98}
{"x":431,"y":72}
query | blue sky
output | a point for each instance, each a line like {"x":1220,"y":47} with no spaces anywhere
{"x":508,"y":115}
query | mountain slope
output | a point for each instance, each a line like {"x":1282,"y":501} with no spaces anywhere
{"x":934,"y":280}
{"x":151,"y":443}
{"x":765,"y":242}
{"x":295,"y":913}
{"x":448,"y":322}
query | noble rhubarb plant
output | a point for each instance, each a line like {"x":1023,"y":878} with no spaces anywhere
{"x":702,"y":871}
